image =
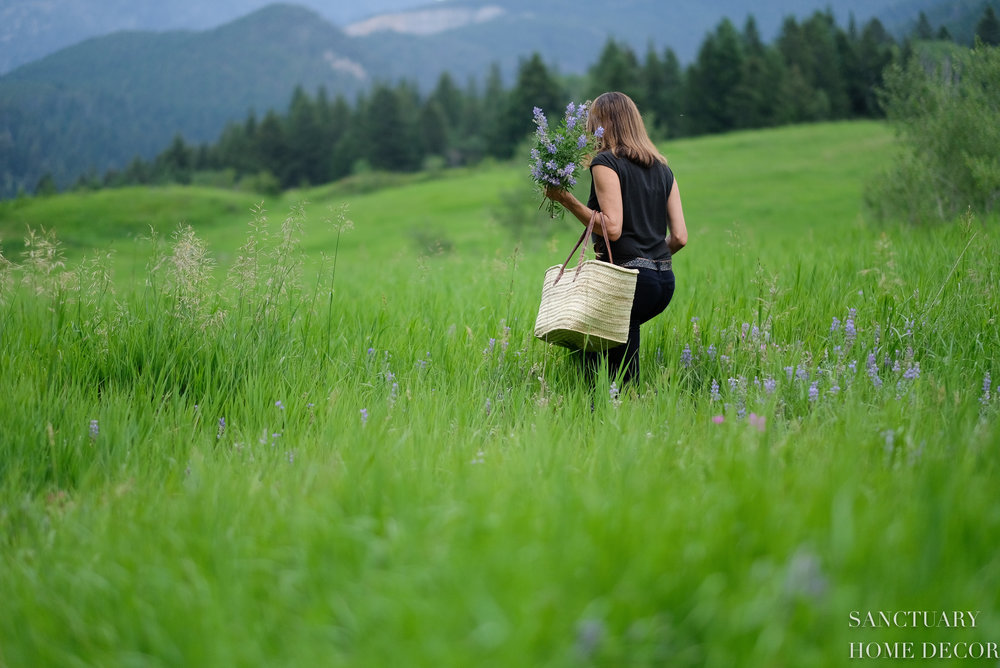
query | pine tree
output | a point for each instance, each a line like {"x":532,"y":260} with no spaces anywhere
{"x":617,"y":69}
{"x":535,"y":87}
{"x":923,"y":29}
{"x":389,"y":133}
{"x":754,"y":97}
{"x":875,"y":52}
{"x":495,"y":104}
{"x":988,"y":28}
{"x":713,"y":79}
{"x":306,"y":152}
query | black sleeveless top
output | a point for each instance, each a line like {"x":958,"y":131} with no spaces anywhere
{"x":644,"y":203}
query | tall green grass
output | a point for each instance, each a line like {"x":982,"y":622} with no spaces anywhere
{"x":291,"y":439}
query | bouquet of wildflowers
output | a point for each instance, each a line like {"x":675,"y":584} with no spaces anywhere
{"x":559,"y":152}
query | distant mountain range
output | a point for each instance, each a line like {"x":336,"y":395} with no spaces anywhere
{"x":111,"y":98}
{"x":33,"y":29}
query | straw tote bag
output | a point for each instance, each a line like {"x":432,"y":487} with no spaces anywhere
{"x":591,"y":310}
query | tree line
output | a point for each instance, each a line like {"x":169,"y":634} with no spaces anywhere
{"x":814,"y":70}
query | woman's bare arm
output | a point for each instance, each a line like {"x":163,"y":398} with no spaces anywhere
{"x":609,"y":194}
{"x":678,"y":236}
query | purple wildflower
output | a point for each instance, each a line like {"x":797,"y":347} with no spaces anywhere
{"x":222,"y":428}
{"x":364,"y":416}
{"x":769,"y":385}
{"x":711,"y":352}
{"x":872,"y":368}
{"x":686,"y":357}
{"x":95,"y":429}
{"x":987,"y":384}
{"x":835,"y":325}
{"x":913,"y":372}
{"x":715,"y":391}
{"x":599,"y":132}
{"x":850,"y":331}
{"x":581,"y":142}
{"x":814,"y":391}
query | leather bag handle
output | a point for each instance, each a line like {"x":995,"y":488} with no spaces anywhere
{"x":583,"y":250}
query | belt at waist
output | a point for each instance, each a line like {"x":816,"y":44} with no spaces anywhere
{"x":646,"y":263}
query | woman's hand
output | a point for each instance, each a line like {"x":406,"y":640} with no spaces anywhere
{"x":558,"y":195}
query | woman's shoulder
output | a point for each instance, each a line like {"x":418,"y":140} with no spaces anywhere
{"x":606,"y":158}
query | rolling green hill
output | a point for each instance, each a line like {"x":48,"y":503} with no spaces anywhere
{"x":784,"y":182}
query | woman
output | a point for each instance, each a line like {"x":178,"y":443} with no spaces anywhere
{"x":638,"y":196}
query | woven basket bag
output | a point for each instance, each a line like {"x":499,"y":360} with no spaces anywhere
{"x":591,"y":309}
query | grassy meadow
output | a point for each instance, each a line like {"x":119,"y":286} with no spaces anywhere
{"x":291,"y":433}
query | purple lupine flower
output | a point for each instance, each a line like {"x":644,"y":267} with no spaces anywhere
{"x":95,"y":429}
{"x":715,"y":391}
{"x":711,"y":352}
{"x":364,"y":416}
{"x":853,"y":366}
{"x":802,"y":373}
{"x":613,"y":395}
{"x":770,"y":384}
{"x":733,"y":384}
{"x":581,"y":142}
{"x":835,"y":325}
{"x":599,"y":132}
{"x":835,"y":390}
{"x":222,"y":428}
{"x":280,"y":406}
{"x":987,"y":384}
{"x":789,"y":371}
{"x":540,"y":119}
{"x":745,"y":329}
{"x":850,"y":331}
{"x":913,"y":372}
{"x":872,"y":368}
{"x":814,"y":391}
{"x":686,"y":357}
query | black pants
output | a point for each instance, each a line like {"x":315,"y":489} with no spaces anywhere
{"x":653,"y":291}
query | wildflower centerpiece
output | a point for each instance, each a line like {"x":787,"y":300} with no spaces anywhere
{"x":561,"y":150}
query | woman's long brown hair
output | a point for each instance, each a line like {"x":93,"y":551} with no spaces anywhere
{"x":624,"y":132}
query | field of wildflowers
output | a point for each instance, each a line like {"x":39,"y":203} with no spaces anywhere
{"x":315,"y":439}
